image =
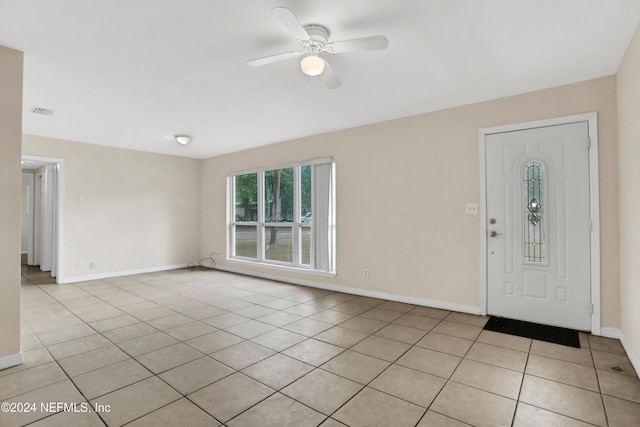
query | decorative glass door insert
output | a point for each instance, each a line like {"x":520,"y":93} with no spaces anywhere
{"x":533,"y":212}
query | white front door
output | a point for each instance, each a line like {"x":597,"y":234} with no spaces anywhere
{"x":538,"y":214}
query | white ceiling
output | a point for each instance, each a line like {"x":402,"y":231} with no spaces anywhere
{"x":134,"y":73}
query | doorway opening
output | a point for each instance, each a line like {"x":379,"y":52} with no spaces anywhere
{"x":41,"y":218}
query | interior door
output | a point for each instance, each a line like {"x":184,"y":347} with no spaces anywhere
{"x":27,"y":216}
{"x":538,"y":209}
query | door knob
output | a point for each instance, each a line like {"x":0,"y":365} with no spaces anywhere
{"x":494,"y":233}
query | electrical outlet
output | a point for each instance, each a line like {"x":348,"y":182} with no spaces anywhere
{"x":92,"y":265}
{"x":365,"y":273}
{"x":471,"y":209}
{"x":78,"y":263}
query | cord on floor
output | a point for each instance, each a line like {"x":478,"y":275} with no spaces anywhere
{"x":204,"y":263}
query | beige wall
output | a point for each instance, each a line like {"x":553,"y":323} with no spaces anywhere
{"x":10,"y":133}
{"x":140,"y":210}
{"x":628,"y":90}
{"x":401,"y":190}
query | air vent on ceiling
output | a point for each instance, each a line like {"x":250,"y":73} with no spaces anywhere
{"x":42,"y":111}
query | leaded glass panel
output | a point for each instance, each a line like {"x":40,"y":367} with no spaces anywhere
{"x":533,"y":212}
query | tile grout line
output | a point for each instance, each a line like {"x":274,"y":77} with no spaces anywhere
{"x":136,"y":360}
{"x":129,"y":355}
{"x":383,"y":371}
{"x":204,"y":355}
{"x":251,"y":289}
{"x":68,"y":378}
{"x":524,"y":372}
{"x":604,"y":408}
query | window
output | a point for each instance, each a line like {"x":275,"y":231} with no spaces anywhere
{"x":284,"y":215}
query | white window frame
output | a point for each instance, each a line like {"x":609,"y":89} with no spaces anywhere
{"x":296,"y":225}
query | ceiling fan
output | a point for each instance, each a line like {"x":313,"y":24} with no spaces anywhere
{"x":313,"y":40}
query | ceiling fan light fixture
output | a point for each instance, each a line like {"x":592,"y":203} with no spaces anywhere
{"x":183,"y":139}
{"x":312,"y":65}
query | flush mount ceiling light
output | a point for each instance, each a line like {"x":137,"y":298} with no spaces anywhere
{"x":312,"y":65}
{"x":182,"y":139}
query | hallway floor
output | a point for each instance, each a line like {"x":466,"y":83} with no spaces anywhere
{"x":208,"y":348}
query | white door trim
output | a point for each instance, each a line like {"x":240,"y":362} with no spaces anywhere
{"x":594,"y":194}
{"x":59,"y":214}
{"x":47,"y":253}
{"x":37,"y":214}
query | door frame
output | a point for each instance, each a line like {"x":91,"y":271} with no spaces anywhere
{"x":37,"y":214}
{"x":594,"y":196}
{"x":58,"y":225}
{"x":47,"y":237}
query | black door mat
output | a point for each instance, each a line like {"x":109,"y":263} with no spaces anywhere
{"x":552,"y":334}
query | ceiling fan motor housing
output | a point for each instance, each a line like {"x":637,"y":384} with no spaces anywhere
{"x":318,"y":37}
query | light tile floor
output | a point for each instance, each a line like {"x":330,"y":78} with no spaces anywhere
{"x":208,"y":348}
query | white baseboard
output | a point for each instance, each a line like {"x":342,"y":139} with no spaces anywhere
{"x":611,"y":333}
{"x":11,"y":360}
{"x":357,"y":291}
{"x":617,"y":334}
{"x":122,"y":273}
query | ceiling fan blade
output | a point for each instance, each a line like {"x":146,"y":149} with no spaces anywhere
{"x":329,"y":77}
{"x":289,"y":19}
{"x":364,"y":43}
{"x":273,"y":58}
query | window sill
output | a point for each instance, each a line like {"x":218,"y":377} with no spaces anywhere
{"x":278,"y":267}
